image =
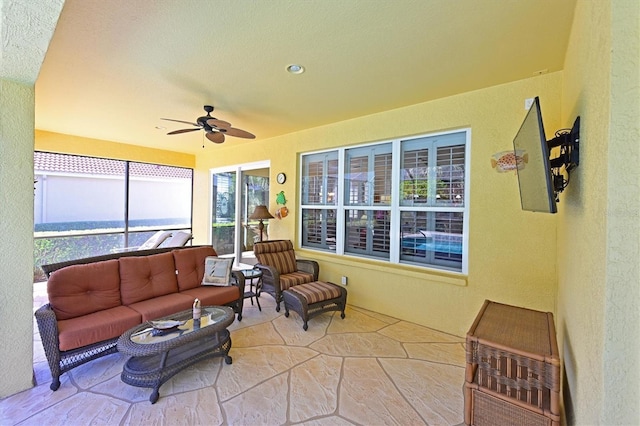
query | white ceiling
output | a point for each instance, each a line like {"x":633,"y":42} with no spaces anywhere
{"x":114,"y":68}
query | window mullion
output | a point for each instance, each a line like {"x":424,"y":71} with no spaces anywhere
{"x":340,"y":208}
{"x":432,"y":174}
{"x":394,"y":230}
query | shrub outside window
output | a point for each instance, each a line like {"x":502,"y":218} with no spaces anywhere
{"x":401,"y":201}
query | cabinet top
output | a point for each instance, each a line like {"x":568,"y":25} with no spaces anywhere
{"x":532,"y":333}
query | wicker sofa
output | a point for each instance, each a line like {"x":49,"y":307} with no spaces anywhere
{"x":92,"y":301}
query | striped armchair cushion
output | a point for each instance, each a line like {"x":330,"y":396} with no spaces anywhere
{"x":278,"y":254}
{"x":294,"y":278}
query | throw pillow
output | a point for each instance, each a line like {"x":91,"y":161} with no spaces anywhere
{"x":217,"y":271}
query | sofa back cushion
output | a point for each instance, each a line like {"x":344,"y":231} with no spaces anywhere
{"x":278,"y":254}
{"x":190,"y":265}
{"x":145,"y":277}
{"x":78,"y":290}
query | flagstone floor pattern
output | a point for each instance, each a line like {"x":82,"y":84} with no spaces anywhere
{"x":365,"y":369}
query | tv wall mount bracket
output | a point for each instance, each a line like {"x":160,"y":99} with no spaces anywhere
{"x":568,"y":142}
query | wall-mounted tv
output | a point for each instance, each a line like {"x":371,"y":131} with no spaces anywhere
{"x":540,"y":177}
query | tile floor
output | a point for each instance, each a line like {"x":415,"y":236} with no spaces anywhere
{"x":366,"y":369}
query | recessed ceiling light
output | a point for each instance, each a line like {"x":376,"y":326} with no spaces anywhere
{"x":295,"y":69}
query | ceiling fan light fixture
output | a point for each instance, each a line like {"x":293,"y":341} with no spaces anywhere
{"x":295,"y":69}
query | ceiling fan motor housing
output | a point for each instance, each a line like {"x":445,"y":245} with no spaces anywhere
{"x":202,"y":122}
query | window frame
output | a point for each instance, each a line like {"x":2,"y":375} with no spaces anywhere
{"x":57,"y":241}
{"x":394,"y":207}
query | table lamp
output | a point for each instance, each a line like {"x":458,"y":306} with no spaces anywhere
{"x":261,"y":213}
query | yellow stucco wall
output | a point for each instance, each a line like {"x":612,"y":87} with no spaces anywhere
{"x":16,"y":227}
{"x":69,"y":144}
{"x":25,"y":32}
{"x":511,"y":252}
{"x":621,"y":359}
{"x":598,"y":317}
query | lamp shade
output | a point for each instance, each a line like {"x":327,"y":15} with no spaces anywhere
{"x":261,"y":213}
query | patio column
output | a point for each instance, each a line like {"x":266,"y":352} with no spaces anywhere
{"x":26,"y":27}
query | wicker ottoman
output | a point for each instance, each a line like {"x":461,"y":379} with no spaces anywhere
{"x":312,"y":299}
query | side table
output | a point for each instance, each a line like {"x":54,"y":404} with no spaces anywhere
{"x":512,"y":374}
{"x":254,"y":277}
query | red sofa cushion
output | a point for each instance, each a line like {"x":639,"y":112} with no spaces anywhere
{"x":96,"y":327}
{"x":145,"y":277}
{"x":163,"y":306}
{"x":213,"y":295}
{"x":190,"y":265}
{"x":78,"y":290}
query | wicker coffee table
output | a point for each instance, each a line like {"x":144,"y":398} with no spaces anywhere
{"x":155,"y":358}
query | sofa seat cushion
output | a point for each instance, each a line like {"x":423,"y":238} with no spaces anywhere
{"x":162,"y":306}
{"x":96,"y":327}
{"x":212,"y":295}
{"x":190,"y":265}
{"x":294,"y":278}
{"x":146,"y":277}
{"x":79,"y":290}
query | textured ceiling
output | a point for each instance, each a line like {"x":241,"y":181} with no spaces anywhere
{"x":113,"y":69}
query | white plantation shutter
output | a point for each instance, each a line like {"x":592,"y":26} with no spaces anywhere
{"x":424,"y":225}
{"x":319,"y":189}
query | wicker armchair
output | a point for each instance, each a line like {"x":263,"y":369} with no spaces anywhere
{"x":280,"y":268}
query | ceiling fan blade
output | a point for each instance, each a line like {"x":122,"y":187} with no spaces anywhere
{"x":214,"y":122}
{"x":215,"y":137}
{"x":175,"y":132}
{"x":180,"y":121}
{"x":239,"y":133}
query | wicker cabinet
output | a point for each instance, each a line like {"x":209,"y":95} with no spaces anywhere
{"x":512,"y":373}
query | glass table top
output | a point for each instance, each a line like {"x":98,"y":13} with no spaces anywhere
{"x":209,"y":316}
{"x":251,"y":273}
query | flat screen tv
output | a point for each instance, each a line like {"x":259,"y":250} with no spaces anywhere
{"x":535,"y":177}
{"x":540,"y":177}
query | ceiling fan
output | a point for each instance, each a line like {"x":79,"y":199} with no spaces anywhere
{"x":215,"y":129}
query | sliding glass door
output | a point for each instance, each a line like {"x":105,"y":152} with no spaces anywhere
{"x":236,"y":191}
{"x":223,"y":233}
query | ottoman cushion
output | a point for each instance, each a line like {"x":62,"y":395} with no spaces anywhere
{"x":316,"y":291}
{"x":314,"y":298}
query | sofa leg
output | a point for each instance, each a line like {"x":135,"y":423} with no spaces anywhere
{"x":55,"y":384}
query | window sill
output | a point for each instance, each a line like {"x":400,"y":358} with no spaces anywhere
{"x":423,"y":273}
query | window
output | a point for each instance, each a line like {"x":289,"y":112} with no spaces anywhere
{"x":401,"y":201}
{"x":319,"y":189}
{"x":87,"y":206}
{"x":368,"y":193}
